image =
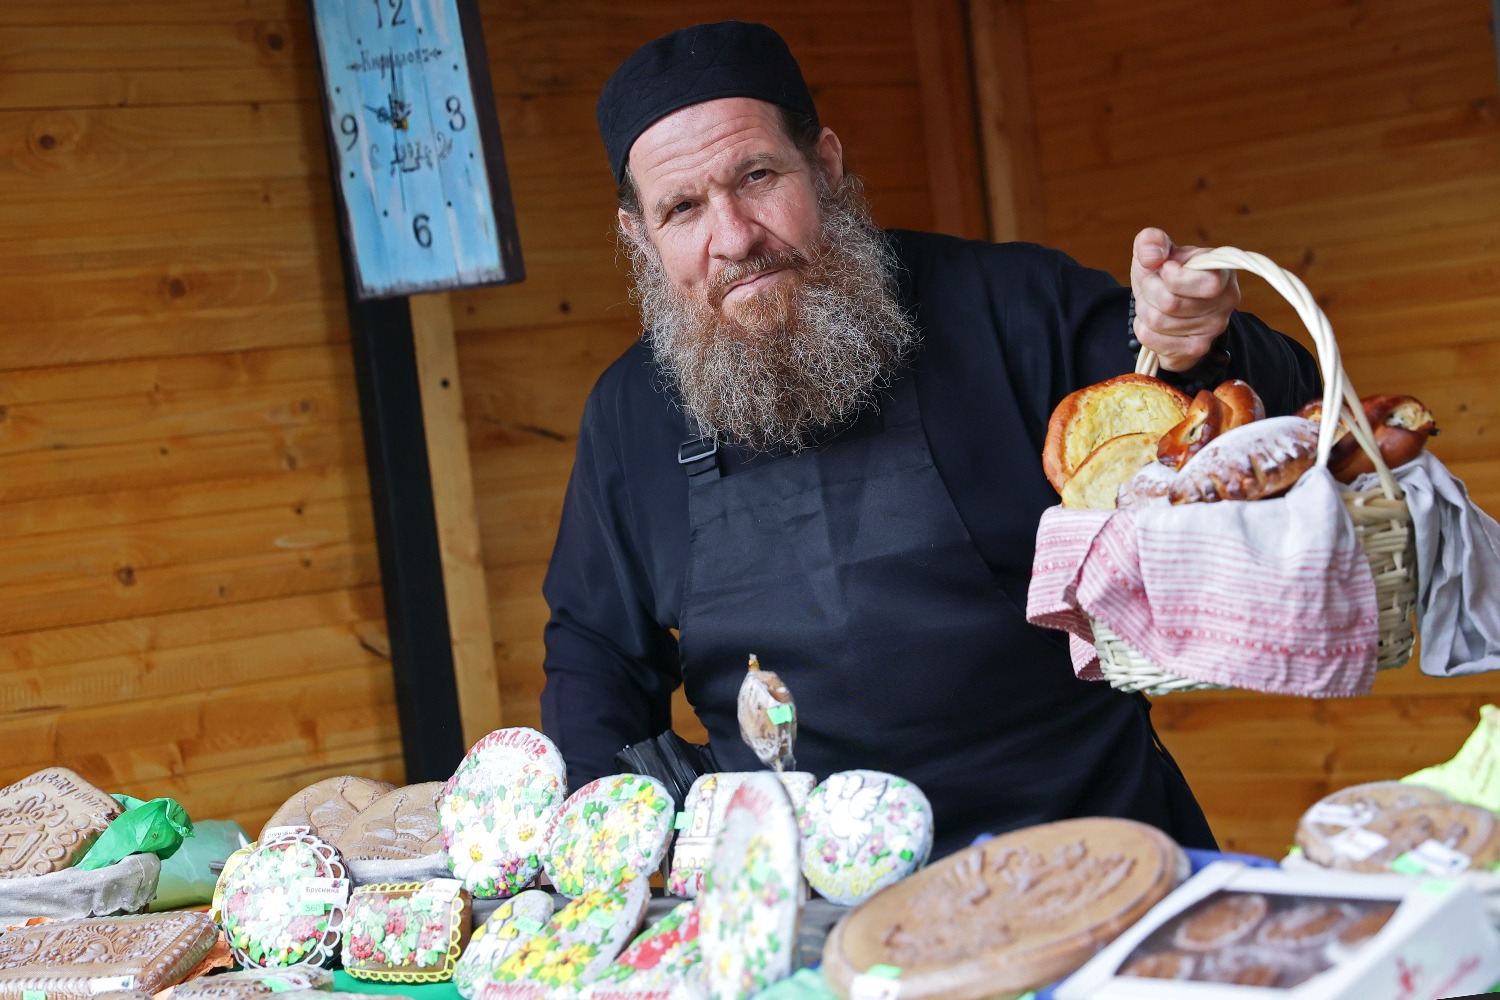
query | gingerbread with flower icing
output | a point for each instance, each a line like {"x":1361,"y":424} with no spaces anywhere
{"x":495,"y":811}
{"x":577,"y":945}
{"x":862,"y":831}
{"x":608,"y":829}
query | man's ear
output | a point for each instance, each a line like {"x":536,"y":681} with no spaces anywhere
{"x":831,"y":155}
{"x":627,"y":224}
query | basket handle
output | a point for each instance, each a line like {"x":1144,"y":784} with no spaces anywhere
{"x":1335,"y":380}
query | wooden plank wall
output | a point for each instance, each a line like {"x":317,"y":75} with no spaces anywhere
{"x":1357,"y":144}
{"x":890,"y":76}
{"x":189,"y":600}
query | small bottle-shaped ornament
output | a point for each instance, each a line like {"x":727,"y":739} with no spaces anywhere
{"x":768,"y":719}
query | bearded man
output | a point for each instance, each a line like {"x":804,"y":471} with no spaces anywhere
{"x":826,"y":451}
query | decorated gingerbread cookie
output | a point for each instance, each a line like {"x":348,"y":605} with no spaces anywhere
{"x":752,"y":898}
{"x":580,"y":942}
{"x":409,"y":932}
{"x":703,"y":815}
{"x":607,"y":829}
{"x":664,"y":959}
{"x":496,"y":809}
{"x":285,"y":901}
{"x":863,"y":831}
{"x":510,"y":924}
{"x":252,"y":984}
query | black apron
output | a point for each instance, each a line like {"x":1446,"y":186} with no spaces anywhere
{"x":847,"y":570}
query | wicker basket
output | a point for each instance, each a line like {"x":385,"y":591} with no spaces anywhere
{"x":1381,"y":518}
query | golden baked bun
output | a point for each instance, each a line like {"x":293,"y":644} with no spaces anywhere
{"x":1401,"y":424}
{"x":1125,"y":404}
{"x":1097,"y":480}
{"x":1259,"y":460}
{"x":1203,"y":422}
{"x":1147,"y":488}
{"x":1242,"y":404}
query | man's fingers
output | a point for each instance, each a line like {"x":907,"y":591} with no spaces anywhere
{"x":1152,"y":248}
{"x":1192,"y":283}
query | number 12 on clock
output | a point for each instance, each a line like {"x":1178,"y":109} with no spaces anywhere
{"x":415,"y":144}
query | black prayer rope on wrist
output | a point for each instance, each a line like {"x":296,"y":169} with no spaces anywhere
{"x":1206,"y":374}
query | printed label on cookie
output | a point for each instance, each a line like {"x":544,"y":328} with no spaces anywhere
{"x":1357,"y":844}
{"x":108,"y":984}
{"x":1334,"y":814}
{"x":440,"y":889}
{"x":872,"y":985}
{"x":1432,"y":858}
{"x":283,"y":832}
{"x":333,"y":891}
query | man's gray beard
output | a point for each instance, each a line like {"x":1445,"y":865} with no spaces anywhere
{"x":802,"y":355}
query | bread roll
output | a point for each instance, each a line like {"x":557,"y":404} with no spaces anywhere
{"x":1096,"y":482}
{"x":1147,"y":488}
{"x":1253,"y":462}
{"x":1204,"y":420}
{"x":1126,"y":404}
{"x":1242,"y":404}
{"x":1401,"y":424}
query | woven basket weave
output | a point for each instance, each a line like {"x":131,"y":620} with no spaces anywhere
{"x":1381,"y":518}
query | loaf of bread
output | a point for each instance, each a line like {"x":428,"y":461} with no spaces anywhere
{"x":1097,"y":481}
{"x":1126,"y":404}
{"x":1232,"y":404}
{"x":1402,"y":425}
{"x":1259,"y":460}
{"x":1147,"y":488}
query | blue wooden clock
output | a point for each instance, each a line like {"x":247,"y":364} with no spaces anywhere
{"x":415,"y":146}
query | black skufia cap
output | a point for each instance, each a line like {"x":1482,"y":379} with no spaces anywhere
{"x":692,"y":65}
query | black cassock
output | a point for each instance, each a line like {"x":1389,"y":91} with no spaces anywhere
{"x":882,"y":573}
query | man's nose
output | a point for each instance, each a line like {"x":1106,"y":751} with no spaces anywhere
{"x":737,"y":234}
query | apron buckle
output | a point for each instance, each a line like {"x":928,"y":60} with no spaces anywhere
{"x":698,"y":454}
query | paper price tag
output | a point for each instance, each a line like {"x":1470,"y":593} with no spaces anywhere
{"x":327,"y":891}
{"x":682,"y":821}
{"x":1333,"y":814}
{"x":283,"y":832}
{"x":878,"y":982}
{"x":526,"y":926}
{"x":33,"y":995}
{"x":108,"y":984}
{"x":1357,"y":844}
{"x":1432,"y":858}
{"x":780,"y":714}
{"x":440,"y":889}
{"x":307,"y":908}
{"x":276,"y":984}
{"x":602,"y":920}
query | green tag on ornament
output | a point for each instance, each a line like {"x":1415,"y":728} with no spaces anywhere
{"x":780,"y":714}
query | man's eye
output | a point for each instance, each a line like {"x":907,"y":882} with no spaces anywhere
{"x":756,"y":175}
{"x":680,"y":208}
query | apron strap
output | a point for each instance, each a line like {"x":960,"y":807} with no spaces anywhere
{"x":699,"y":458}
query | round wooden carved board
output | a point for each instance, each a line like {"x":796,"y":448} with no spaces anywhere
{"x":1009,"y":915}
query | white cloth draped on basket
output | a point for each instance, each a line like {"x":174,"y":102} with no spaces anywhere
{"x":1458,"y":570}
{"x":1274,"y":595}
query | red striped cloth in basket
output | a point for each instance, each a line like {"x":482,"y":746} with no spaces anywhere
{"x":1271,"y":595}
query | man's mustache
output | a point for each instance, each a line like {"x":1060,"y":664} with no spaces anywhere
{"x":737,"y":271}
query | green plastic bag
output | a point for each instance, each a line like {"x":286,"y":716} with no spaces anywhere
{"x":156,"y":827}
{"x":188,"y":877}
